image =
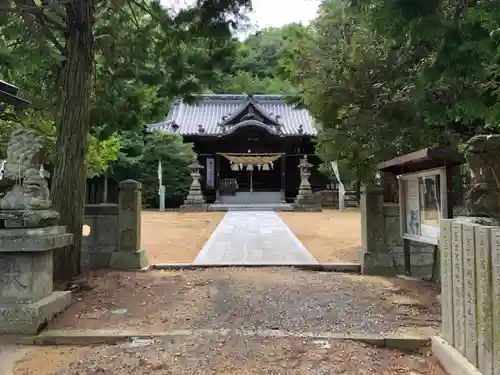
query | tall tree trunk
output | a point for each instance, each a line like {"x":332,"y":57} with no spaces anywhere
{"x":72,"y":129}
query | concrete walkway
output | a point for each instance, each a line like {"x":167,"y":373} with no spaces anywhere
{"x":253,"y":237}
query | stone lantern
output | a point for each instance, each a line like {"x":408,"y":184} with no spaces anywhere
{"x":195,"y":200}
{"x":305,"y":200}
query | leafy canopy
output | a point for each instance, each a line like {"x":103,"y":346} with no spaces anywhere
{"x":384,"y":77}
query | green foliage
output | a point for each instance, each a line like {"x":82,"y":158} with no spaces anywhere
{"x":138,"y":159}
{"x":384,"y":78}
{"x":145,"y":56}
{"x":260,"y":64}
{"x":100,"y":154}
{"x":10,"y":121}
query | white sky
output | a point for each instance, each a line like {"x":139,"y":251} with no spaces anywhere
{"x":280,"y":12}
{"x":269,"y":13}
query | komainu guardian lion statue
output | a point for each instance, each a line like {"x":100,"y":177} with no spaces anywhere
{"x":24,"y":192}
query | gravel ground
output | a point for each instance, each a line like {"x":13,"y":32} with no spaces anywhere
{"x":252,"y":299}
{"x":232,"y":355}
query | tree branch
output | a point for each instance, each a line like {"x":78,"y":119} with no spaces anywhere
{"x":33,"y":14}
{"x":52,"y":21}
{"x":22,"y":7}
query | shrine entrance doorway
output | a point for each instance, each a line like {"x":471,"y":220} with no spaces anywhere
{"x":252,"y":178}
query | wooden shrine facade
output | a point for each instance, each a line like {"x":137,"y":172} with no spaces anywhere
{"x":9,"y":97}
{"x":246,"y":143}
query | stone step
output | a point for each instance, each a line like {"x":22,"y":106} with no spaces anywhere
{"x":250,"y":207}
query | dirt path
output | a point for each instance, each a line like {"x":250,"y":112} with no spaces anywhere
{"x":223,"y":355}
{"x":251,"y":299}
{"x":174,"y":237}
{"x":224,"y":312}
{"x":330,"y":236}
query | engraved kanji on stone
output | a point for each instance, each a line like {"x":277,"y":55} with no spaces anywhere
{"x":10,"y":274}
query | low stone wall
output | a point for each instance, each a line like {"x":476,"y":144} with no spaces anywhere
{"x":470,"y":292}
{"x":421,"y":254}
{"x":382,"y":245}
{"x":330,"y":198}
{"x":112,"y":232}
{"x":100,"y":238}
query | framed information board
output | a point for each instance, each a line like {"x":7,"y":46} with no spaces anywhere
{"x":424,"y":204}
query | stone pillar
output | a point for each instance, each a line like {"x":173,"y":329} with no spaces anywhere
{"x":129,"y":254}
{"x":305,"y":200}
{"x":374,"y":256}
{"x":194,"y":202}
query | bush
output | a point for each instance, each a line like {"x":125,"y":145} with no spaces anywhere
{"x":138,"y":159}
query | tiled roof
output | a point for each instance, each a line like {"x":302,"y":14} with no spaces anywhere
{"x":209,"y":113}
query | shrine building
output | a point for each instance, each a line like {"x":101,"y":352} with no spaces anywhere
{"x":250,"y":146}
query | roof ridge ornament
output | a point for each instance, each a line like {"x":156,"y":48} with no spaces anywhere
{"x":254,"y":112}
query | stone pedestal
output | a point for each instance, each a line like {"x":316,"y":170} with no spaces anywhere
{"x":27,"y":297}
{"x":305,"y":200}
{"x":129,"y":255}
{"x":195,"y":202}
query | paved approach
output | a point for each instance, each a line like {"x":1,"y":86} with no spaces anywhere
{"x":253,"y":237}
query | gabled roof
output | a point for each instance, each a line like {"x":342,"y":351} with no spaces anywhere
{"x":217,"y":114}
{"x":248,"y":109}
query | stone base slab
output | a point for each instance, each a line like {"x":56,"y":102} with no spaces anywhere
{"x":194,"y":207}
{"x":325,"y":267}
{"x":29,"y":218}
{"x":35,"y":243}
{"x":299,"y":207}
{"x":306,"y":203}
{"x":112,"y":337}
{"x":30,"y":318}
{"x":452,"y":361}
{"x":124,"y":260}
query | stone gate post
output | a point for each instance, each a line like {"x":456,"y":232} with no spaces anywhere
{"x":129,"y":254}
{"x":373,"y":230}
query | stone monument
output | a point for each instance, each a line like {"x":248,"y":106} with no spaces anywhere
{"x":482,"y":199}
{"x":129,"y":254}
{"x":305,"y":200}
{"x":195,"y":202}
{"x":28,"y":236}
